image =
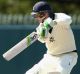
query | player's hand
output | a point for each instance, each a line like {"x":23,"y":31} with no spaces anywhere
{"x":43,"y":30}
{"x":43,"y":33}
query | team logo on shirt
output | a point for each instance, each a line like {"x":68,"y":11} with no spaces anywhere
{"x":51,"y":39}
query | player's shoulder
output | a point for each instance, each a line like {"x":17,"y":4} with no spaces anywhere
{"x":62,"y":15}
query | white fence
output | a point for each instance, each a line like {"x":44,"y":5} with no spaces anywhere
{"x":17,"y":19}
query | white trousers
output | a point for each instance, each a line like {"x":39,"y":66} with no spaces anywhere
{"x":60,"y":64}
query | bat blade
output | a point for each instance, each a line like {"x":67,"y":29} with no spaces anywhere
{"x":19,"y":47}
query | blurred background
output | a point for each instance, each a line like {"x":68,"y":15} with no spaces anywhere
{"x":18,"y":11}
{"x":16,"y":23}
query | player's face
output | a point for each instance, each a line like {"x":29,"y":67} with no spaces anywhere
{"x":39,"y":17}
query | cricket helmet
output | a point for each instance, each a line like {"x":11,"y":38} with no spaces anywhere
{"x":40,"y":6}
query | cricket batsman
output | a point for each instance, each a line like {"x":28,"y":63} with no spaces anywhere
{"x":54,"y":30}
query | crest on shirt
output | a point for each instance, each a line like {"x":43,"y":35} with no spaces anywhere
{"x":51,"y":39}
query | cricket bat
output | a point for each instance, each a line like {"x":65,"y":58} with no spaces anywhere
{"x":19,"y":47}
